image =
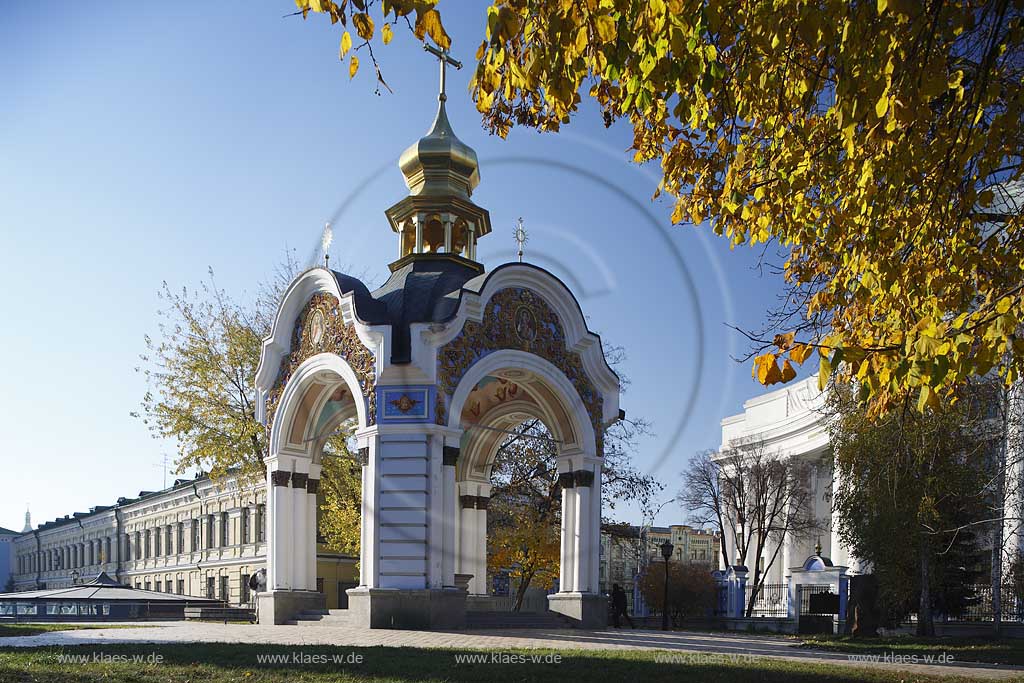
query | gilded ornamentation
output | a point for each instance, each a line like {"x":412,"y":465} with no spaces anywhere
{"x":516,"y":318}
{"x":320,"y":328}
{"x":404,"y":403}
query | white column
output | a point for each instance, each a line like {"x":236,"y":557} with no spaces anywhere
{"x":839,"y":554}
{"x":482,"y":501}
{"x":369,"y":528}
{"x":1013,"y":498}
{"x":301,"y":533}
{"x":581,"y":539}
{"x":595,"y":530}
{"x":280,"y":528}
{"x":567,"y":569}
{"x":312,"y":486}
{"x":473,"y":499}
{"x":464,"y":561}
{"x":450,"y":496}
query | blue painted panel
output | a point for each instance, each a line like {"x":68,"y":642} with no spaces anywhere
{"x":405,"y":404}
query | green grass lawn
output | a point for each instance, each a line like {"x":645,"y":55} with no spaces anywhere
{"x":991,"y":650}
{"x":213,"y":663}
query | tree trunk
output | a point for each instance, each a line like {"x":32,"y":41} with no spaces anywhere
{"x":925,"y":626}
{"x":521,"y":592}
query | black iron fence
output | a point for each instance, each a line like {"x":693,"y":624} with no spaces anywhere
{"x":818,"y":601}
{"x":979,"y":605}
{"x":771,"y":600}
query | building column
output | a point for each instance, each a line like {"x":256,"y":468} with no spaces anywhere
{"x":567,"y":555}
{"x":474,"y":498}
{"x":578,"y":597}
{"x":839,"y":554}
{"x":449,"y":495}
{"x":312,"y":488}
{"x":369,"y":527}
{"x":280,"y":508}
{"x":1013,"y":497}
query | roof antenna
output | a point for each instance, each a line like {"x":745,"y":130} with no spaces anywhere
{"x":521,"y":237}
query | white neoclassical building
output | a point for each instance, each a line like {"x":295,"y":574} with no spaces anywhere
{"x":434,"y":368}
{"x":790,"y":422}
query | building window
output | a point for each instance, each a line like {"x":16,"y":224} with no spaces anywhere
{"x":244,"y":588}
{"x":196,"y":528}
{"x":181,"y":586}
{"x":156,"y":543}
{"x":169,"y":540}
{"x":261,"y":523}
{"x":147,"y":548}
{"x":211,"y":587}
{"x":146,"y":585}
{"x":244,"y":522}
{"x":159,"y":587}
{"x":181,"y":537}
{"x":209,"y":531}
{"x":225,"y":527}
{"x":225,"y":593}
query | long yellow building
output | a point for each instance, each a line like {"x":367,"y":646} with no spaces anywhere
{"x":198,"y":537}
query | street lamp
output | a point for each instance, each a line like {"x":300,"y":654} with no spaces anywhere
{"x":666,"y":552}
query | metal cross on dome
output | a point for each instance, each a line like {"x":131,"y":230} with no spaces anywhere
{"x":444,"y":58}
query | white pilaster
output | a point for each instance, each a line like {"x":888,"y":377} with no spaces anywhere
{"x":280,"y":509}
{"x":311,"y":564}
{"x":567,"y":568}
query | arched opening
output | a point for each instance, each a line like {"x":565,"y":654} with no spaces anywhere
{"x":522,"y":531}
{"x":316,"y":481}
{"x":433,"y":236}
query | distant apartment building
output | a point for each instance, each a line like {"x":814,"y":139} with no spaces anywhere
{"x":626,"y":550}
{"x":198,"y":538}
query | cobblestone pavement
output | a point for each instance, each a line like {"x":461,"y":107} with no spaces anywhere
{"x":704,"y":647}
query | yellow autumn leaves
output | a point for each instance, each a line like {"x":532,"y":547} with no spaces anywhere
{"x":877,"y":145}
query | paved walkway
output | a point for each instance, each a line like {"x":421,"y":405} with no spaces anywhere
{"x":705,"y":647}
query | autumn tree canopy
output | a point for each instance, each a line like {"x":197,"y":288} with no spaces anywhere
{"x":875,"y":147}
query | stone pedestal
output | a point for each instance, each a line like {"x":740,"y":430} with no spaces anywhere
{"x":586,"y":610}
{"x":407,"y":609}
{"x":280,"y":607}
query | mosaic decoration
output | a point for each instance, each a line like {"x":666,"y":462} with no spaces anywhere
{"x":320,"y":328}
{"x":515,"y":318}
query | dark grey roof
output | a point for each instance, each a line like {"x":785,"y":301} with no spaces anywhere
{"x":422,"y":290}
{"x":102,"y":588}
{"x":71,"y":519}
{"x":8,"y":532}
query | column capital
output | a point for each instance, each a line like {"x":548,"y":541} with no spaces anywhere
{"x":566,"y":480}
{"x":280,"y":477}
{"x":474,"y":502}
{"x":451,"y":455}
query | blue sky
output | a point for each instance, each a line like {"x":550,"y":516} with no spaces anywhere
{"x":147,"y":142}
